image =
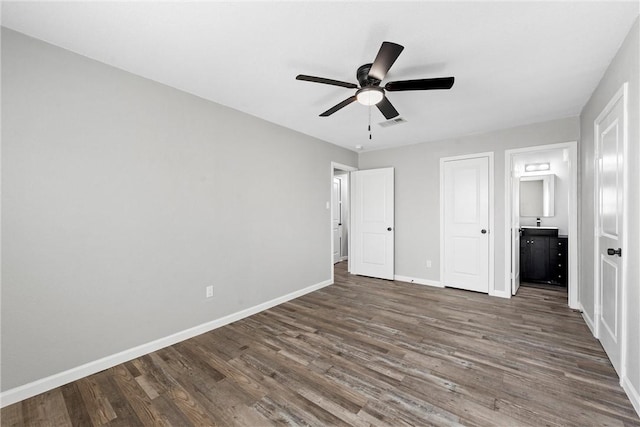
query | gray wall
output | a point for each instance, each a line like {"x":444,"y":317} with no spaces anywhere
{"x":123,"y":198}
{"x":417,"y":189}
{"x":624,"y":68}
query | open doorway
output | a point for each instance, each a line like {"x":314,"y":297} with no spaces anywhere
{"x":541,"y":218}
{"x":340,"y":214}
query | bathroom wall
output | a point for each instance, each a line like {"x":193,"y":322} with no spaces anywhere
{"x":559,"y":166}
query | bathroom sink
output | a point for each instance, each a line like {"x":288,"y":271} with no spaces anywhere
{"x":539,"y":231}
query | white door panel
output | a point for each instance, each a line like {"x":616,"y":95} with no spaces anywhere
{"x":336,"y":218}
{"x":372,"y":253}
{"x":373,"y":248}
{"x":609,"y":297}
{"x":466,"y":215}
{"x":336,"y":245}
{"x":515,"y":236}
{"x":610,"y":140}
{"x":611,"y":200}
{"x":468,"y":249}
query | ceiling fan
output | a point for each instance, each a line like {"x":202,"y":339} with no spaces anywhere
{"x":371,"y":75}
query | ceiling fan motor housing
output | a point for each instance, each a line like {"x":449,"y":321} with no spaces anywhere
{"x":363,"y":76}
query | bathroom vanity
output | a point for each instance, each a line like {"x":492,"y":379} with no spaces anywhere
{"x":543,"y":256}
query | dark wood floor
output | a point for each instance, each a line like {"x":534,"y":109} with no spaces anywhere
{"x":362,"y":352}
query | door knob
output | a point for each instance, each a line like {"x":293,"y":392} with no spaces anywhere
{"x":389,"y":228}
{"x":612,"y":251}
{"x":483,"y":231}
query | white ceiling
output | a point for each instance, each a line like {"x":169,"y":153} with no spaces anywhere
{"x":514,"y":62}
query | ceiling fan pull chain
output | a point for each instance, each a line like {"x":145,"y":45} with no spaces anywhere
{"x":369,"y":122}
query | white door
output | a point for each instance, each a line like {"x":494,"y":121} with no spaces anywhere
{"x":515,"y":235}
{"x":610,"y":141}
{"x":466,"y":224}
{"x":336,"y":218}
{"x":372,"y":248}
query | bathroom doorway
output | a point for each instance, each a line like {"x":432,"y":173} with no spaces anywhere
{"x":541,"y":218}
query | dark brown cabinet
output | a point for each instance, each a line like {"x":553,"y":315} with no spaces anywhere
{"x":543,"y":256}
{"x":558,"y":257}
{"x":535,"y":259}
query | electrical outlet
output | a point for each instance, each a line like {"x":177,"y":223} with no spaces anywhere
{"x":428,"y":263}
{"x":209,"y":291}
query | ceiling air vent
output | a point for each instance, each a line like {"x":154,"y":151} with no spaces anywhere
{"x":393,"y":122}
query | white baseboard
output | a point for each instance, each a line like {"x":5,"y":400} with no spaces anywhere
{"x":632,"y":393}
{"x":500,"y":294}
{"x":437,"y":284}
{"x":418,"y":281}
{"x":48,"y":383}
{"x":588,"y":320}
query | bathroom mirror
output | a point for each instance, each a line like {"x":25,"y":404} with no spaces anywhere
{"x":537,"y":195}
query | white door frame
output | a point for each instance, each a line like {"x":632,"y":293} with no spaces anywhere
{"x":492,"y":282}
{"x":345,"y":168}
{"x":621,"y":93}
{"x":572,"y":146}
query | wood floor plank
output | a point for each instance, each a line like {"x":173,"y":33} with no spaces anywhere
{"x":286,"y":403}
{"x":136,"y":396}
{"x":121,"y":403}
{"x":76,"y":408}
{"x":186,"y":388}
{"x":34,"y":412}
{"x":362,"y":352}
{"x":55,"y":409}
{"x":12,"y":415}
{"x":98,"y":406}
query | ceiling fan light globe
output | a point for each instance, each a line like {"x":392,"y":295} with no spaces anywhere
{"x":369,"y":95}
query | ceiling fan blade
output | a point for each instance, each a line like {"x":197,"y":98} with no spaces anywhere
{"x":387,"y":109}
{"x":326,"y":81}
{"x":420,"y":84}
{"x":339,"y":106}
{"x":387,"y":55}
